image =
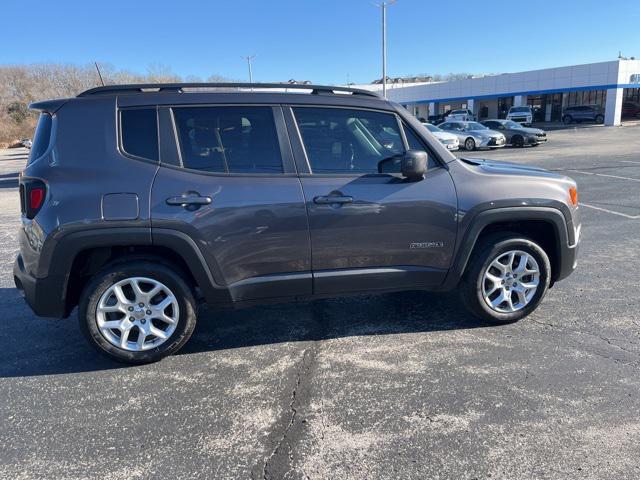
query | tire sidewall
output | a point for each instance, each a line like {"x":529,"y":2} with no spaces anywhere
{"x":103,"y":280}
{"x":490,"y":253}
{"x":473,"y":145}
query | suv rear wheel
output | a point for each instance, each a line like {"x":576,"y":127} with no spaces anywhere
{"x":507,"y":278}
{"x":138,"y":312}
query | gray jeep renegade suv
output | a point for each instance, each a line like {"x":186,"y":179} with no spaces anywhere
{"x":139,"y":200}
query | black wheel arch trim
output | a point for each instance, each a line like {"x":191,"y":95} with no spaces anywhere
{"x":476,"y":222}
{"x":60,"y":252}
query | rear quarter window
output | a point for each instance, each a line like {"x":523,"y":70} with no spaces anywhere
{"x":139,"y":132}
{"x":41,"y":138}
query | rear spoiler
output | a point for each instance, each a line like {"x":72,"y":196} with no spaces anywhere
{"x":48,"y":106}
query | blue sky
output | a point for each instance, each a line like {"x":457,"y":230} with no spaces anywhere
{"x":326,"y":41}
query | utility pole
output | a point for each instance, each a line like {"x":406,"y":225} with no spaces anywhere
{"x":248,"y":58}
{"x":384,"y":6}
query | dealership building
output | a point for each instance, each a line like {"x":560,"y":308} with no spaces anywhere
{"x":607,"y":85}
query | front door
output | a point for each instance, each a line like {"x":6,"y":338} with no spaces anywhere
{"x":370,"y":230}
{"x":227,"y":180}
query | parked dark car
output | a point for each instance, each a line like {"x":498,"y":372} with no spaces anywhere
{"x":140,"y":200}
{"x":579,"y":114}
{"x":630,"y":110}
{"x":438,"y":118}
{"x":516,"y":134}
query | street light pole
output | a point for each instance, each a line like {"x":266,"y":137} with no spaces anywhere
{"x":248,"y":58}
{"x":384,"y":6}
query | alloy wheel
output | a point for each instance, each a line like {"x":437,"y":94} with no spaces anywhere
{"x":510,"y":281}
{"x":137,"y":314}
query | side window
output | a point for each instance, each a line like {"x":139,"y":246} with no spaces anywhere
{"x":416,"y":143}
{"x":139,"y":130}
{"x":228,"y":139}
{"x":343,"y":140}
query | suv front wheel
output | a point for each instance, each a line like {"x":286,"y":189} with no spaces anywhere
{"x":506,"y":279}
{"x":137,"y":312}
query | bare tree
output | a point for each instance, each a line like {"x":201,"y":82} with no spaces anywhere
{"x":22,"y":84}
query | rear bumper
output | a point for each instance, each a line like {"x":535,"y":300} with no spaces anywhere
{"x":45,"y":295}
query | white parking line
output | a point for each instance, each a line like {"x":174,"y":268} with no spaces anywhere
{"x":605,"y":175}
{"x":632,"y":217}
{"x":630,"y":161}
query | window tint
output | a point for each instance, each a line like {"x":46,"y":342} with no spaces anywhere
{"x":228,"y":139}
{"x":139,"y":127}
{"x":41,"y":138}
{"x":341,"y":140}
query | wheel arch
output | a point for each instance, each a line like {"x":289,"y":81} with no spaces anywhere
{"x":80,"y":255}
{"x":546,"y":225}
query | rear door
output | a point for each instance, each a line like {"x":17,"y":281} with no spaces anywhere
{"x":370,"y":230}
{"x":227,"y":179}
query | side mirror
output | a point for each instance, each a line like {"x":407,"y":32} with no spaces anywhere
{"x":414,"y":164}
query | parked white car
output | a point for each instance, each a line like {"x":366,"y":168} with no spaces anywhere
{"x":449,"y":140}
{"x":460,"y":115}
{"x":521,"y":115}
{"x":474,"y":135}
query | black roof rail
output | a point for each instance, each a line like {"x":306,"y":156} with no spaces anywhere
{"x":181,"y":87}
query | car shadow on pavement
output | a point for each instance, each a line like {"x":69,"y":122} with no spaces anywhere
{"x":55,"y":347}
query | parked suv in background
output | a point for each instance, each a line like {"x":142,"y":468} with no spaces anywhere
{"x":463,"y":115}
{"x":139,"y":200}
{"x":523,"y":115}
{"x":578,"y":114}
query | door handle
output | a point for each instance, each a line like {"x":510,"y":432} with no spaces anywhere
{"x":186,"y":200}
{"x":330,"y":199}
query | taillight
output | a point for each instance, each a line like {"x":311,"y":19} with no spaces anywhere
{"x":36,"y":198}
{"x":32,"y":195}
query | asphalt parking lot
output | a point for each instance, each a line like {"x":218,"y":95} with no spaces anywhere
{"x":392,"y":386}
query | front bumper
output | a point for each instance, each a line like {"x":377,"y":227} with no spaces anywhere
{"x":569,"y":257}
{"x":493,"y":143}
{"x":536,"y":140}
{"x":44,"y":295}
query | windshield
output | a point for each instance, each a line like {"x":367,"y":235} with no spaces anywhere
{"x":520,"y":109}
{"x":475,"y":126}
{"x":510,"y":124}
{"x":458,"y":112}
{"x":432,"y":128}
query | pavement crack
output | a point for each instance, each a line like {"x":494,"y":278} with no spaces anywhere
{"x":279,"y":461}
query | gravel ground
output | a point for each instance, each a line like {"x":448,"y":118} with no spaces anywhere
{"x":392,"y":386}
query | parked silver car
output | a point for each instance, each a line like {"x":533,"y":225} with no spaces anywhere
{"x":449,"y":140}
{"x":473,"y":135}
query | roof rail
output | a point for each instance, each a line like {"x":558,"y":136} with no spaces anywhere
{"x":182,"y":87}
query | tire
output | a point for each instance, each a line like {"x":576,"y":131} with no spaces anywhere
{"x":517,"y":141}
{"x":176,"y":320}
{"x":469,"y":144}
{"x":474,"y":285}
{"x":599,"y":118}
{"x":567,"y":119}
